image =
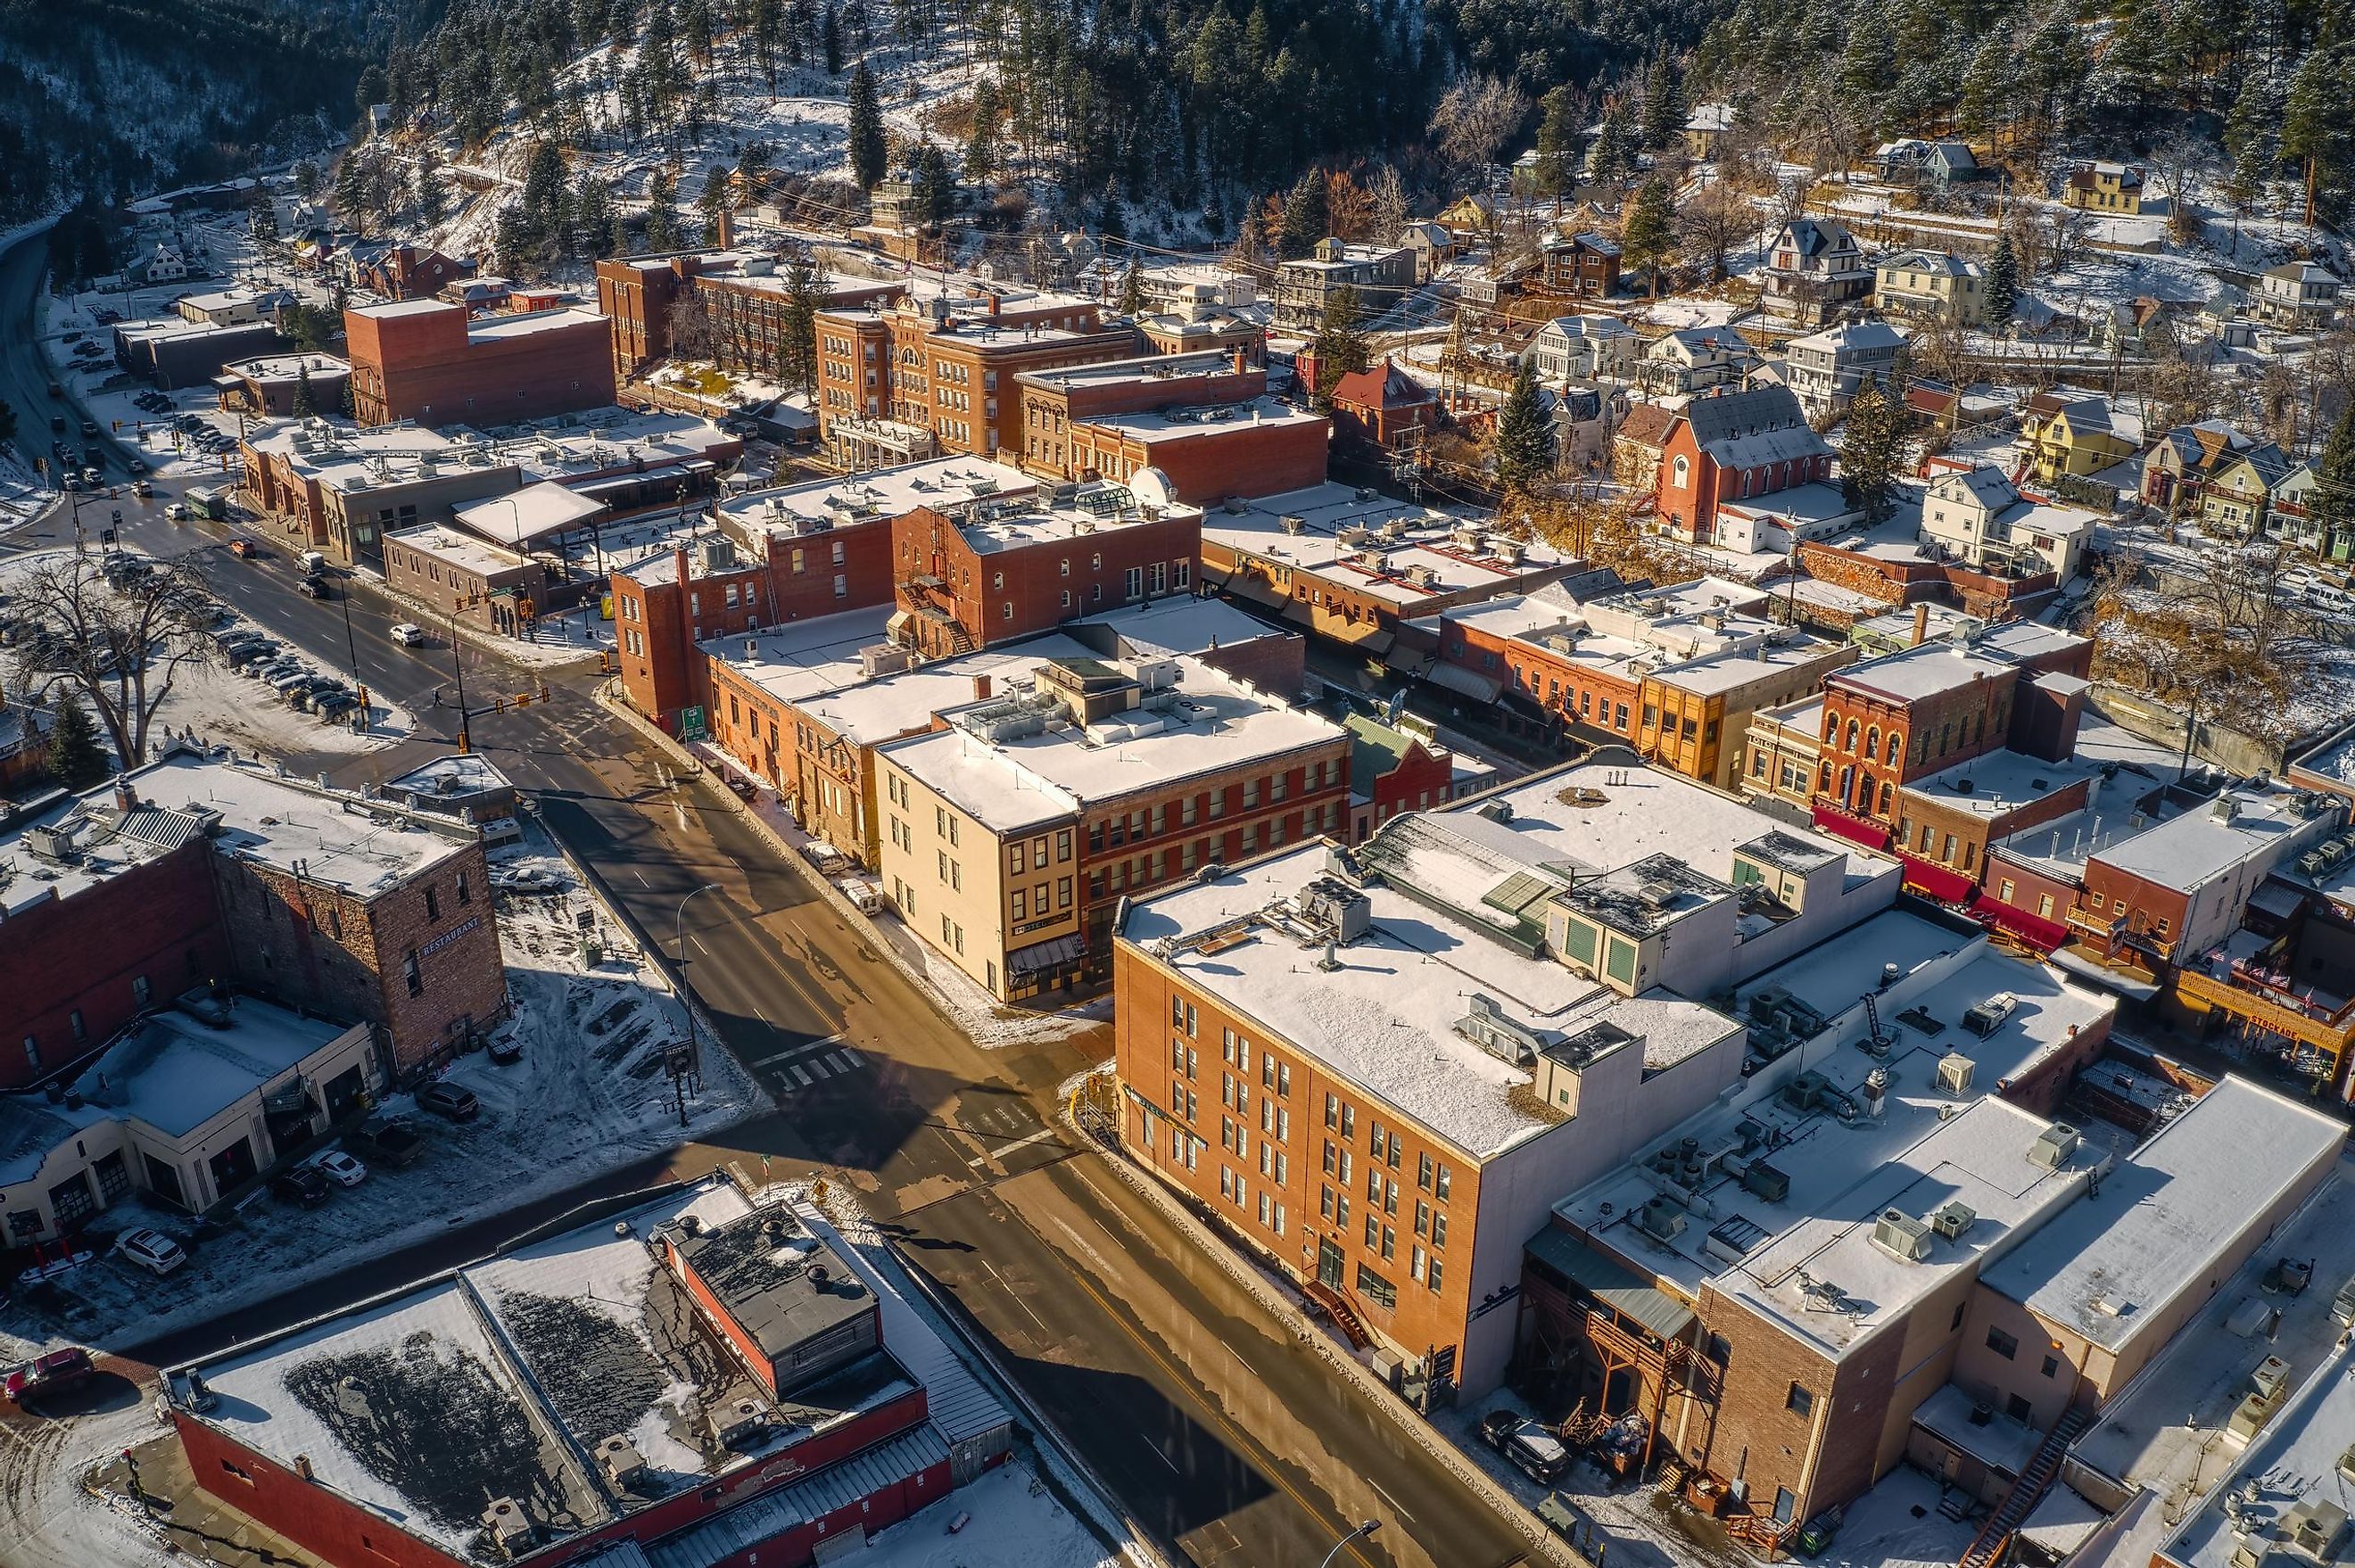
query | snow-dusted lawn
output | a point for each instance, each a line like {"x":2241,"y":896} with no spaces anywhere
{"x":589,"y":1094}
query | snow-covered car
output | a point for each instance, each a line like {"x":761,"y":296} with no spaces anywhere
{"x":408,"y":636}
{"x":151,"y":1250}
{"x":829,"y":860}
{"x":527,"y":880}
{"x":340,"y":1169}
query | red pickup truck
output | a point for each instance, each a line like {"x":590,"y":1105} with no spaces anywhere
{"x":53,"y":1374}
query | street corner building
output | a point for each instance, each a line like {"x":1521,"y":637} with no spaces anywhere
{"x":689,"y":1379}
{"x":429,"y":361}
{"x":198,"y":870}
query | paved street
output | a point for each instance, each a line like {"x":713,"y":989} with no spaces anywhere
{"x":1222,"y":1437}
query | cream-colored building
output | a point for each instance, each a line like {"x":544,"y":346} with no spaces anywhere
{"x":1931,"y":285}
{"x":1012,"y":833}
{"x":1980,"y":517}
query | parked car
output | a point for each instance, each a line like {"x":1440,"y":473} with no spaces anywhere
{"x":408,"y":636}
{"x":340,"y":1169}
{"x":143,"y":489}
{"x":1534,"y":1451}
{"x":151,"y":1250}
{"x":334,"y":704}
{"x":389,"y":1141}
{"x":135,"y":465}
{"x":53,"y":1374}
{"x":450,"y":1100}
{"x":300,"y":1184}
{"x":89,"y":427}
{"x":316,"y":587}
{"x":506,"y":1048}
{"x":528,"y":880}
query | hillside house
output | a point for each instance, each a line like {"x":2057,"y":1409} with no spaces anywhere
{"x":1383,"y":406}
{"x":1378,"y":274}
{"x":1581,"y":348}
{"x":2236,"y":503}
{"x":1980,"y":518}
{"x":1814,"y":269}
{"x":2112,"y":188}
{"x":2298,"y":296}
{"x":2067,"y":433}
{"x":1931,"y":285}
{"x":1583,"y":263}
{"x":1708,"y":125}
{"x":1694,"y":359}
{"x":2175,"y":471}
{"x":1825,"y":369}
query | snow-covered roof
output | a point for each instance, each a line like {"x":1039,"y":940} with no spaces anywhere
{"x":175,"y":1072}
{"x":940,"y":482}
{"x":1425,"y":558}
{"x":1997,"y":783}
{"x":2188,"y":851}
{"x":462,"y":550}
{"x":2113,"y":1265}
{"x":1912,"y":673}
{"x":529,"y":515}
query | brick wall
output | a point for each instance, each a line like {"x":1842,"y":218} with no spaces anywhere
{"x":83,"y":954}
{"x":425,"y":367}
{"x":1001,"y":595}
{"x":334,"y":1529}
{"x":1235,"y":459}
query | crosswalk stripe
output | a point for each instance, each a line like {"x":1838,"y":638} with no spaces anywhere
{"x":835,"y":1063}
{"x":801,"y":1077}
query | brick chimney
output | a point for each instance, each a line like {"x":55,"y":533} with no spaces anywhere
{"x":1920,"y":622}
{"x":1242,"y":359}
{"x":995,"y":303}
{"x":126,"y":797}
{"x":726,"y":230}
{"x":981,"y":688}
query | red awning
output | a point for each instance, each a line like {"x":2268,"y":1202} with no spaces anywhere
{"x":2033,"y":929}
{"x":1942,"y":882}
{"x":1856,"y":830}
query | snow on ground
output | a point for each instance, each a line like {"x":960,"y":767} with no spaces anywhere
{"x":1010,"y":1519}
{"x":47,"y":1517}
{"x":589,"y":1094}
{"x":1898,"y":1525}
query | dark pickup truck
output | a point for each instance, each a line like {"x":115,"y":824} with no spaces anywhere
{"x":389,"y":1142}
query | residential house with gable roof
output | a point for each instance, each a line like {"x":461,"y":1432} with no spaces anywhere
{"x":2114,"y":188}
{"x":2179,"y":467}
{"x":1934,"y":285}
{"x":2237,"y":502}
{"x":1693,"y":360}
{"x":1814,"y":269}
{"x":1384,"y":406}
{"x":1826,"y":369}
{"x":2075,"y":434}
{"x":1732,"y":448}
{"x":2298,"y":296}
{"x":1581,"y":263}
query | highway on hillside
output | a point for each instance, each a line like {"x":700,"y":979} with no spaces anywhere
{"x":1223,"y":1437}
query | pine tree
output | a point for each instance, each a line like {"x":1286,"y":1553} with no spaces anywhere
{"x":304,"y":407}
{"x":431,"y":204}
{"x":1663,"y":115}
{"x":1869,"y":449}
{"x":1339,"y":346}
{"x":869,"y":151}
{"x":2002,"y":284}
{"x":1305,"y":218}
{"x":830,"y":37}
{"x":2331,"y":505}
{"x":2312,"y":129}
{"x":1614,"y":153}
{"x":593,"y":216}
{"x":1556,"y":136}
{"x":662,"y":232}
{"x":1648,"y":236}
{"x":1524,"y":435}
{"x":1132,"y":290}
{"x":981,"y":150}
{"x":804,"y":295}
{"x":306,"y":179}
{"x":76,"y":758}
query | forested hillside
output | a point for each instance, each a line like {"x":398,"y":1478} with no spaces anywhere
{"x":106,"y":98}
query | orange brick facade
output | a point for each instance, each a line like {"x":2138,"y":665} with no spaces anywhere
{"x":965,"y":598}
{"x":1340,"y":1192}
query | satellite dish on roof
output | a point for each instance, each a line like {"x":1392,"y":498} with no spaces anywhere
{"x":1151,"y":488}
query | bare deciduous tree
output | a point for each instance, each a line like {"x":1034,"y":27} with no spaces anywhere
{"x":1474,"y":119}
{"x":115,"y":640}
{"x":1387,"y":192}
{"x":1714,"y":222}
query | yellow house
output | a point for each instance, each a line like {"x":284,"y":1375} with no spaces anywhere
{"x":2105,"y":187}
{"x":1469,"y":217}
{"x":1931,"y":285}
{"x":2062,"y":434}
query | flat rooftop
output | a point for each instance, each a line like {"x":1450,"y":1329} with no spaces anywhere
{"x":2186,"y":851}
{"x":528,"y":324}
{"x":520,"y":521}
{"x":1996,"y":783}
{"x":175,"y":1071}
{"x":1846,"y":1166}
{"x":288,"y":366}
{"x":498,"y":1380}
{"x":869,"y":712}
{"x":799,"y":660}
{"x":1172,"y":370}
{"x":780,"y":1282}
{"x":879,"y":495}
{"x":454,"y":548}
{"x":1013,"y":522}
{"x":1424,"y":552}
{"x":1175,"y":424}
{"x":2109,"y":1266}
{"x":1214,"y":723}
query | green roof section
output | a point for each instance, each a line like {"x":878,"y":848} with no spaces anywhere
{"x":1611,"y":1283}
{"x":1375,"y":747}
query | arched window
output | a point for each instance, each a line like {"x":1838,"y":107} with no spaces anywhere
{"x":1848,"y":782}
{"x":1872,"y":742}
{"x":1896,"y":740}
{"x":1683,"y":474}
{"x":1851,"y":737}
{"x":1831,"y":727}
{"x":1885,"y":798}
{"x":1745,"y":484}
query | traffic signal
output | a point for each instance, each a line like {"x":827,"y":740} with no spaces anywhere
{"x":498,"y":705}
{"x":543,"y":691}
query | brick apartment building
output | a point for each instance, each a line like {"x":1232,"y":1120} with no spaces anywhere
{"x":807,"y":1403}
{"x":426,"y":360}
{"x":998,"y":568}
{"x":744,"y":292}
{"x":198,"y":869}
{"x":1013,"y":832}
{"x":1204,"y":421}
{"x":945,"y":367}
{"x":803,"y":707}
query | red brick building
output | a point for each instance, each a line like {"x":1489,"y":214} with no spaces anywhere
{"x":1391,"y":771}
{"x":744,"y":293}
{"x":810,"y":1404}
{"x":424,"y":360}
{"x":947,"y":367}
{"x":403,"y":272}
{"x":1586,"y":263}
{"x":1203,"y":420}
{"x":1383,"y":406}
{"x":1734,"y":447}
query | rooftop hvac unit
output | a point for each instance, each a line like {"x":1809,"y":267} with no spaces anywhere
{"x":1900,"y":1234}
{"x":2270,"y":1378}
{"x":510,"y":1530}
{"x":1498,"y":810}
{"x":1989,"y":1016}
{"x":2346,"y":1462}
{"x":1662,"y":1218}
{"x":1767,"y":1001}
{"x":619,"y":1458}
{"x":1338,"y":908}
{"x":738,"y":1422}
{"x":1953,"y":1220}
{"x":1801,"y":1092}
{"x":1955,"y":1071}
{"x":1487,"y":1026}
{"x":1766,"y":1181}
{"x":2316,"y":1527}
{"x":2311,"y":862}
{"x":2053,"y":1146}
{"x":1292,"y":523}
{"x":2249,"y":1554}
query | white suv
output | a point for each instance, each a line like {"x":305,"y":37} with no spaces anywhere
{"x":408,"y":636}
{"x":151,"y":1250}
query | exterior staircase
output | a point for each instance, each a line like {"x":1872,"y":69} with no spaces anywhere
{"x":2026,"y":1492}
{"x":1337,"y":1307}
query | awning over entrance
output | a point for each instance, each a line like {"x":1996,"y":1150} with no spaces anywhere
{"x":1612,"y":1284}
{"x":1462,"y":681}
{"x":2032,"y":929}
{"x":1053,"y":952}
{"x":1942,"y":882}
{"x":1855,"y":829}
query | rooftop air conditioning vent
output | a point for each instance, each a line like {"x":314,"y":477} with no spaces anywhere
{"x":619,"y":1458}
{"x":510,"y":1529}
{"x":2053,"y":1146}
{"x":1955,"y":1071}
{"x":1899,"y":1234}
{"x":1953,"y":1220}
{"x":1989,"y":1016}
{"x":738,"y":1423}
{"x":1662,"y":1218}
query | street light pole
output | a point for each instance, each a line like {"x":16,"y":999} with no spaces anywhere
{"x":352,"y":646}
{"x":693,"y":1047}
{"x":1359,"y":1534}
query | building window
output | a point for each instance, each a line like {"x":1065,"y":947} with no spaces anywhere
{"x":2051,"y":1366}
{"x":2002,"y":1344}
{"x":432,"y":906}
{"x":1799,"y":1402}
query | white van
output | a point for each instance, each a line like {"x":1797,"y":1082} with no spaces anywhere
{"x":314,"y":561}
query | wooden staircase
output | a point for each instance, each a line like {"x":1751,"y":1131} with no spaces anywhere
{"x":2026,"y":1492}
{"x":1337,"y":1307}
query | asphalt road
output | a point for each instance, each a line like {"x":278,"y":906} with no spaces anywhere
{"x":1226,"y":1440}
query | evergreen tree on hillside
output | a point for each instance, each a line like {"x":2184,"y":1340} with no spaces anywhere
{"x":2314,"y":125}
{"x":982,"y":155}
{"x":663,"y":231}
{"x":869,"y":151}
{"x":1614,"y":154}
{"x":427,"y":185}
{"x":1648,"y":236}
{"x":830,"y":31}
{"x":1132,"y":289}
{"x":2002,"y":284}
{"x":1339,"y":344}
{"x":592,"y":218}
{"x":1869,"y":449}
{"x":1664,"y":114}
{"x":75,"y":759}
{"x":804,"y":296}
{"x":1524,"y":435}
{"x":2331,"y":505}
{"x":1556,"y":136}
{"x":1305,"y":218}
